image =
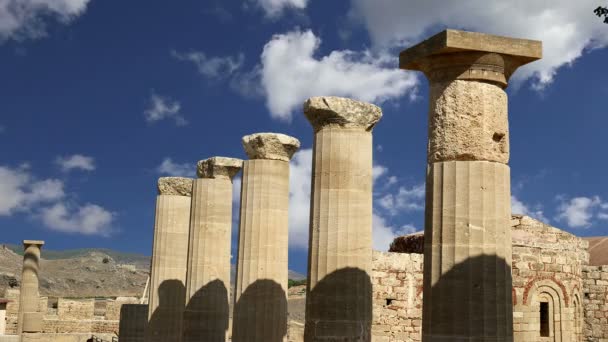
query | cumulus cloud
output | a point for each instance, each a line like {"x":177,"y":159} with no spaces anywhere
{"x":76,"y":162}
{"x":20,"y":19}
{"x":212,"y":67}
{"x":567,"y":28}
{"x":170,"y":168}
{"x":161,"y":108}
{"x":579,"y":212}
{"x":403,"y":200}
{"x":20,"y":191}
{"x":384,"y":234}
{"x":520,"y":208}
{"x":299,"y":197}
{"x":274,"y":8}
{"x":290,"y":73}
{"x":89,"y":219}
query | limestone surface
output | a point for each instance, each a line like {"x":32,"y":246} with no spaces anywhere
{"x":468,"y":121}
{"x":218,"y":167}
{"x":30,"y":317}
{"x":273,"y":146}
{"x":178,"y":186}
{"x":343,"y":112}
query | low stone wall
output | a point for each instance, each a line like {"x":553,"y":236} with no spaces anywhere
{"x":595,"y":301}
{"x":68,"y":309}
{"x":397,"y":297}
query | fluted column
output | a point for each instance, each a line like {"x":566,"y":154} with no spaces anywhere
{"x":260,"y":311}
{"x":467,"y":252}
{"x":339,"y":293}
{"x":30,"y":317}
{"x":208,"y":276}
{"x":169,"y":260}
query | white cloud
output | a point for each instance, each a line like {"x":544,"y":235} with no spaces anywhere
{"x":19,"y":191}
{"x":21,"y":19}
{"x":77,"y":162}
{"x":274,"y":8}
{"x":290,"y":74}
{"x":212,"y":67}
{"x":299,"y":198}
{"x":404,"y":200}
{"x":378,"y":171}
{"x":170,"y":168}
{"x":567,"y":28}
{"x":520,"y":208}
{"x":579,"y":212}
{"x":160,"y":108}
{"x":89,"y":219}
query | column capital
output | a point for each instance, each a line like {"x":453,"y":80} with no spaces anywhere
{"x":453,"y":54}
{"x":177,"y":186}
{"x":274,"y":146}
{"x":218,"y":167}
{"x":38,"y":243}
{"x":339,"y":111}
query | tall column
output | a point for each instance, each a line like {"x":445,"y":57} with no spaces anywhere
{"x":467,"y":252}
{"x":169,"y":260}
{"x":260,"y":311}
{"x":208,"y":276}
{"x":30,"y":317}
{"x":133,"y":321}
{"x":339,"y":291}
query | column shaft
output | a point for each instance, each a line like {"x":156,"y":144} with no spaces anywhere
{"x":30,"y":317}
{"x":260,"y":312}
{"x":467,"y":257}
{"x":169,"y":260}
{"x":133,"y":321}
{"x":338,"y":303}
{"x":208,"y":279}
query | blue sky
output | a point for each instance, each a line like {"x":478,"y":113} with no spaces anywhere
{"x":100,"y":98}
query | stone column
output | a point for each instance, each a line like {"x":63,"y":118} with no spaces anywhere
{"x":169,"y":260}
{"x":133,"y":320}
{"x":30,"y":317}
{"x":339,"y":291}
{"x":467,"y":253}
{"x":3,"y":303}
{"x":260,"y":312}
{"x":208,"y":276}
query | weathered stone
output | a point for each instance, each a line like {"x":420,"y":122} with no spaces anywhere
{"x":177,"y":186}
{"x":273,"y":146}
{"x":30,"y":317}
{"x":338,"y":299}
{"x":260,"y":310}
{"x":343,"y":112}
{"x":467,"y":279}
{"x":219,"y":167}
{"x":411,"y":243}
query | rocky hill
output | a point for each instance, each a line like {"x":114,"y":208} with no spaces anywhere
{"x":84,"y":272}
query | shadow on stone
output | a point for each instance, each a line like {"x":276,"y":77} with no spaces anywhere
{"x":206,"y":315}
{"x":471,"y":302}
{"x":166,"y":321}
{"x":260,"y":314}
{"x":339,"y":308}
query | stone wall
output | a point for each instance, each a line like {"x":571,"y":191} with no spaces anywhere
{"x":83,"y":309}
{"x":397,"y":297}
{"x":547,"y":268}
{"x":595,"y":303}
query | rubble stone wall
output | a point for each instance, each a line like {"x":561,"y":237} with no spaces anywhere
{"x":397,"y":297}
{"x":595,"y":303}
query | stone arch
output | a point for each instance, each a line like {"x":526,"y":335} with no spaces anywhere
{"x":550,"y":292}
{"x":577,"y":315}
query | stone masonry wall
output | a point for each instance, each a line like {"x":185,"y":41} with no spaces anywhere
{"x":547,"y":267}
{"x":397,"y":297}
{"x":595,"y":302}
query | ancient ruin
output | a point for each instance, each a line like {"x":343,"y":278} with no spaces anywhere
{"x":208,"y":273}
{"x":260,"y":298}
{"x":467,"y":279}
{"x":338,"y":298}
{"x":169,"y":259}
{"x":478,"y":273}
